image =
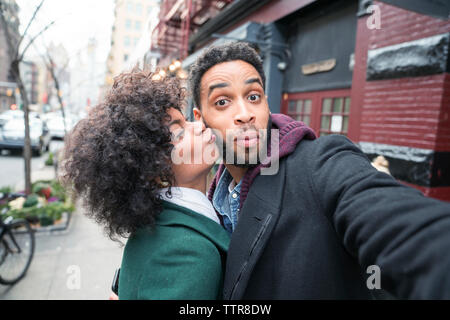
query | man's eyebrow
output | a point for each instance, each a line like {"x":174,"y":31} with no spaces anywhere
{"x":253,"y":80}
{"x":216,"y":86}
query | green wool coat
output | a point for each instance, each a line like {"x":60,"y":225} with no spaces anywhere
{"x":181,"y":258}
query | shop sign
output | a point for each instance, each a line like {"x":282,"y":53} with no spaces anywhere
{"x":321,"y":66}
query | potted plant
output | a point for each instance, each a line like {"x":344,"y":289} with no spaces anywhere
{"x":45,"y":206}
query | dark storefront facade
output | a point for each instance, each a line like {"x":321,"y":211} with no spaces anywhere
{"x":371,"y":70}
{"x":317,"y":84}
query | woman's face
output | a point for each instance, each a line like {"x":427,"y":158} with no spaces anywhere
{"x":194,"y":152}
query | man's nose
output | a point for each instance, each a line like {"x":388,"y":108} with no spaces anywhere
{"x":244,"y":113}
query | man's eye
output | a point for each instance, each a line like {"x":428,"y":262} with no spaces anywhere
{"x":221,"y":103}
{"x":254,"y":97}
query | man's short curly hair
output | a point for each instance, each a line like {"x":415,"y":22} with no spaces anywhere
{"x":218,"y":54}
{"x":117,"y":157}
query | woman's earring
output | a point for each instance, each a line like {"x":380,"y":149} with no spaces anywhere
{"x":164,"y":184}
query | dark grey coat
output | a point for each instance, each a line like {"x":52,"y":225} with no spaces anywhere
{"x":311,"y":231}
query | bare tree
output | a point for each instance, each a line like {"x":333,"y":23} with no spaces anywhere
{"x":55,"y":73}
{"x":16,"y":57}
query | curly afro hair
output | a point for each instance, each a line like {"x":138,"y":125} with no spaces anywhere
{"x":219,"y":54}
{"x":116,"y":159}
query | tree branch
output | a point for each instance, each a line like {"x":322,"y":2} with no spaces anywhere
{"x":34,"y":38}
{"x":29,"y":24}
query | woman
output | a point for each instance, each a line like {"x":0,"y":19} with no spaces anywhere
{"x":124,"y":161}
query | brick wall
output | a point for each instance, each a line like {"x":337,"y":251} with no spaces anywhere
{"x":412,"y":112}
{"x":400,"y":25}
{"x":403,"y":112}
{"x":407,"y":111}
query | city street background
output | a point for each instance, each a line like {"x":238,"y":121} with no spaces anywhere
{"x":376,"y":72}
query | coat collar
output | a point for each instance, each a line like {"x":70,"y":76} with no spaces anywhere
{"x":176,"y":215}
{"x":257,"y":219}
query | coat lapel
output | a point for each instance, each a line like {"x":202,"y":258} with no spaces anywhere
{"x":257,"y":219}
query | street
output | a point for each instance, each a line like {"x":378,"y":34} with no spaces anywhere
{"x":12,"y":167}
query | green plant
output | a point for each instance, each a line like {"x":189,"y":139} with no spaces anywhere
{"x":58,"y":190}
{"x":49,"y":161}
{"x":6,"y":189}
{"x":31,"y":201}
{"x":25,"y":213}
{"x":46,"y":220}
{"x":56,"y":209}
{"x":39,"y":185}
{"x":48,"y":213}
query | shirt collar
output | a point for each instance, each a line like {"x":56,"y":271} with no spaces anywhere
{"x":191,"y":199}
{"x":231,"y":186}
{"x":225,"y":186}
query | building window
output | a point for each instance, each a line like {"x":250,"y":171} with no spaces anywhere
{"x":325,"y":112}
{"x":138,"y":8}
{"x":300,"y":110}
{"x":128,"y":24}
{"x":334,"y":116}
{"x":125,"y":57}
{"x":130,"y":7}
{"x":127,"y":41}
{"x":138,"y":25}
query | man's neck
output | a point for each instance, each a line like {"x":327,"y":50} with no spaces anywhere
{"x":236,"y":172}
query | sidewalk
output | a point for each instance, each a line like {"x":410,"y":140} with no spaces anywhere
{"x":77,"y":263}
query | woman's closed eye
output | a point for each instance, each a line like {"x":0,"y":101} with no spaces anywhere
{"x":178,"y":135}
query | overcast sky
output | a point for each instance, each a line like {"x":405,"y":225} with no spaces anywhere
{"x":76,"y":22}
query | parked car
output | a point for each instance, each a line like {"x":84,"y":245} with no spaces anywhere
{"x":9,"y":115}
{"x":56,"y":126}
{"x":15,"y":114}
{"x":12,"y":135}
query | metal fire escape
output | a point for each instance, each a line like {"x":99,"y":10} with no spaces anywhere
{"x":178,"y":19}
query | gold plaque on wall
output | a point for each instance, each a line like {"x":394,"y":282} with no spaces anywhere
{"x":321,"y":66}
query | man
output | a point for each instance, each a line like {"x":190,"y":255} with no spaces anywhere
{"x":327,"y":223}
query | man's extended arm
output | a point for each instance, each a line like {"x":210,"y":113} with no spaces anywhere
{"x":382,"y":222}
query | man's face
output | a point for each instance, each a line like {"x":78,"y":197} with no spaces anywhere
{"x":233,"y":103}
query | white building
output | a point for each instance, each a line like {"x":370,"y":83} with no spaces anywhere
{"x":131,"y":35}
{"x":87,"y":75}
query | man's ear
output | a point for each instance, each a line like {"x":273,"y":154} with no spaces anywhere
{"x":197,"y":114}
